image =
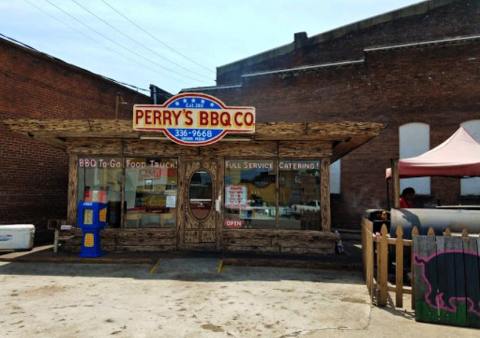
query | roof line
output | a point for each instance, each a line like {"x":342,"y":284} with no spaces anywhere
{"x":423,"y":43}
{"x":286,"y":48}
{"x":414,"y":9}
{"x":304,"y":68}
{"x":211,"y":88}
{"x":346,"y":62}
{"x":36,"y":52}
{"x":366,"y":50}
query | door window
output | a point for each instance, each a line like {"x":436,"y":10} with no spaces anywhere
{"x":200,"y":194}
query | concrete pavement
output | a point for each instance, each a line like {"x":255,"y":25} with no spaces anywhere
{"x":187,"y":297}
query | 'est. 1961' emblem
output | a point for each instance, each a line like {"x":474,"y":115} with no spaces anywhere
{"x":194,"y":119}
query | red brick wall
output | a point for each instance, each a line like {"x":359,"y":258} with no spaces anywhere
{"x":438,"y":85}
{"x":33,"y":176}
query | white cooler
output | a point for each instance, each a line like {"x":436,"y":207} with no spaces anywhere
{"x":16,"y":236}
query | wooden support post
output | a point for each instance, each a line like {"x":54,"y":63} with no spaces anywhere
{"x":325,"y":194}
{"x":412,"y":266}
{"x":395,"y":184}
{"x":369,"y":257}
{"x":122,"y":187}
{"x":364,"y":249}
{"x":220,"y":196}
{"x":383,"y":267}
{"x":377,"y":250}
{"x":399,"y":266}
{"x":72,"y":189}
{"x":181,"y":203}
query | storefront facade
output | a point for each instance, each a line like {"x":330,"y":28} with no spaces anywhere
{"x":265,"y":191}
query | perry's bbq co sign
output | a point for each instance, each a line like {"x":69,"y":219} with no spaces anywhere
{"x":194,"y":119}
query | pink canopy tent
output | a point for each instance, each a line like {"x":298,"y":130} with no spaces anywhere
{"x":458,"y":156}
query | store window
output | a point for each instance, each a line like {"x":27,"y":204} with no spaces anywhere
{"x":100,"y":180}
{"x":471,"y":185}
{"x":250,"y":189}
{"x":150,"y":192}
{"x":299,"y":194}
{"x":414,"y":139}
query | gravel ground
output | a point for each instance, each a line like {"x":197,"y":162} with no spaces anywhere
{"x":187,"y":297}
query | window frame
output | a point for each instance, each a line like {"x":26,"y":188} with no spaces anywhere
{"x":123,"y":160}
{"x":276,"y":160}
{"x":249,"y":158}
{"x":319,"y":160}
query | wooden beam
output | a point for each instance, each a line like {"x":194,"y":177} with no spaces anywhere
{"x":395,"y":184}
{"x":220,"y":174}
{"x":342,"y":148}
{"x":55,"y":142}
{"x":263,"y":131}
{"x":325,"y":194}
{"x":72,"y":189}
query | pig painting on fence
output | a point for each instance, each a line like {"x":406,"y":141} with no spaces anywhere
{"x":446,"y":276}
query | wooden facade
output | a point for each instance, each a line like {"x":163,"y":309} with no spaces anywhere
{"x":324,"y":142}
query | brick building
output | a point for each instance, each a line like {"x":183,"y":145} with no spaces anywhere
{"x":416,"y":69}
{"x":33,"y":176}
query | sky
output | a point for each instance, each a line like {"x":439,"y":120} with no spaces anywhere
{"x":173,"y":44}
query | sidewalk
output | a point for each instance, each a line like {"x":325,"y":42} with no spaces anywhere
{"x":350,"y":260}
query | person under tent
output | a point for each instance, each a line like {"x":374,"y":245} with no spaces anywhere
{"x":407,"y":198}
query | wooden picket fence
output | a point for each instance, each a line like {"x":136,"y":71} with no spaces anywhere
{"x":375,"y":249}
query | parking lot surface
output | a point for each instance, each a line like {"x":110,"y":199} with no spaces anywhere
{"x":188,"y":297}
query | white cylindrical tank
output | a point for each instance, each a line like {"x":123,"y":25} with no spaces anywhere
{"x":438,"y":219}
{"x":16,"y":236}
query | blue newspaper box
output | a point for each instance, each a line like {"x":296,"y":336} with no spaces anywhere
{"x":92,"y":218}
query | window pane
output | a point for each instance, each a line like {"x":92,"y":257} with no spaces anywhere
{"x":200,"y":194}
{"x":414,"y":139}
{"x":299,"y":195}
{"x":335,"y":177}
{"x":250,"y":194}
{"x":471,"y":186}
{"x":150,"y":192}
{"x":100,"y":180}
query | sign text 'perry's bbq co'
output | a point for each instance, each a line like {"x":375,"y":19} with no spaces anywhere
{"x":194,"y":119}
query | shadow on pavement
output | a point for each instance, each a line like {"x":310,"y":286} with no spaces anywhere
{"x":201,"y":269}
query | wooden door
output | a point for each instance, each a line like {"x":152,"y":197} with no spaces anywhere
{"x":201,"y":215}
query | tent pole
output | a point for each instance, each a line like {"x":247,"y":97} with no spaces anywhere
{"x":396,"y":184}
{"x":387,"y":182}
